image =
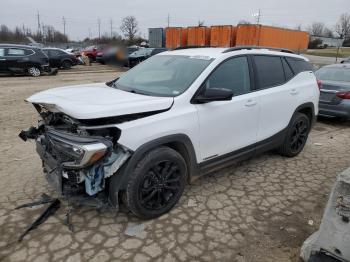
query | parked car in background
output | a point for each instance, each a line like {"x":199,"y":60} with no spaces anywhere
{"x":142,"y":54}
{"x":91,"y":52}
{"x":59,"y":58}
{"x":118,"y":55}
{"x":22,"y":59}
{"x":345,"y":61}
{"x":178,"y":115}
{"x":335,"y":90}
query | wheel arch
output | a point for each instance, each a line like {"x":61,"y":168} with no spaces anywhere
{"x":181,"y":143}
{"x":308,"y":109}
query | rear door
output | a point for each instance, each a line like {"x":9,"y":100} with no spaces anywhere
{"x":16,"y":59}
{"x":278,"y":96}
{"x":3,"y":66}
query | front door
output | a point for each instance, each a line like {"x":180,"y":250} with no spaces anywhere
{"x":226,"y":126}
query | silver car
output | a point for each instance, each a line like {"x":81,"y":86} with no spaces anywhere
{"x":335,"y":90}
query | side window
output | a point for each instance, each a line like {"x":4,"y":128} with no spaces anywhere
{"x":233,"y":74}
{"x":287,"y":70}
{"x":2,"y":52}
{"x":269,"y":70}
{"x":15,"y":52}
{"x":298,"y":65}
{"x":28,"y":52}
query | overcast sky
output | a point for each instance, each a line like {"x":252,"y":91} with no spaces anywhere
{"x":82,"y":15}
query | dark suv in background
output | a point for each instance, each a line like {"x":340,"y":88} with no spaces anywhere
{"x":60,"y":58}
{"x":22,"y":59}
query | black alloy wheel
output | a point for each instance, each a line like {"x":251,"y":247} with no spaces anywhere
{"x":156,"y":183}
{"x":299,"y":135}
{"x":160,"y":185}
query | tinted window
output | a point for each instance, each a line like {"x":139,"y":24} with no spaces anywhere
{"x":2,"y":52}
{"x":233,"y":74}
{"x":298,"y":65}
{"x":269,"y":70}
{"x":287,"y":70}
{"x":55,"y":52}
{"x":28,"y":52}
{"x":15,"y":52}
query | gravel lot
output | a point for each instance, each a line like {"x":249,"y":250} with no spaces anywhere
{"x":259,"y":210}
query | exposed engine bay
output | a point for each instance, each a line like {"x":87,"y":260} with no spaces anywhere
{"x":77,"y":159}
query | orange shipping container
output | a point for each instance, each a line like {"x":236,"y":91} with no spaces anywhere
{"x":269,"y":36}
{"x":222,"y":36}
{"x":198,"y":36}
{"x":175,"y":37}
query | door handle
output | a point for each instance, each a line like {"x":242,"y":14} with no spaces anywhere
{"x":294,"y":92}
{"x":250,"y":102}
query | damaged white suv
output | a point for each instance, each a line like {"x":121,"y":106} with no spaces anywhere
{"x":176,"y":116}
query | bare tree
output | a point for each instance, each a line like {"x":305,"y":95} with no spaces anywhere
{"x":244,"y":22}
{"x":343,"y":26}
{"x":316,"y":29}
{"x":201,"y":22}
{"x":327,"y":32}
{"x":129,"y":27}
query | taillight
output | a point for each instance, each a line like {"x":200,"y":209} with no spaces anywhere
{"x":319,"y":83}
{"x":343,"y":95}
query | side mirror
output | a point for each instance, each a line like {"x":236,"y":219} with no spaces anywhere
{"x":213,"y":94}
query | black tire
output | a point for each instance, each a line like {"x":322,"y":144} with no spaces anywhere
{"x":297,"y":135}
{"x":156,"y":184}
{"x":66,"y":64}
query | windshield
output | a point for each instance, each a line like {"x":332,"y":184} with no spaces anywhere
{"x":163,"y":75}
{"x":334,"y":74}
{"x":142,"y":51}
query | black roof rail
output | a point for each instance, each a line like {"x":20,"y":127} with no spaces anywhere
{"x":193,"y":46}
{"x":251,"y":47}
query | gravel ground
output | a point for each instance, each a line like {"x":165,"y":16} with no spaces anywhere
{"x":260,"y":210}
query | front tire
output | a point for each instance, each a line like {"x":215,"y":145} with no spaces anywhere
{"x":34,"y":71}
{"x":297,"y":135}
{"x":156,"y":183}
{"x":66,"y":64}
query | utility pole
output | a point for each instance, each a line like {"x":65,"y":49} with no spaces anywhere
{"x":38,"y":18}
{"x":64,"y":26}
{"x":111,"y":24}
{"x":90,"y":33}
{"x":168,"y":20}
{"x":259,"y":15}
{"x":99,"y":28}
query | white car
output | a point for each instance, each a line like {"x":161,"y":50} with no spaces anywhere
{"x":178,"y":115}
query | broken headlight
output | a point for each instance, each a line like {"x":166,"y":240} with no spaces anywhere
{"x":74,"y":151}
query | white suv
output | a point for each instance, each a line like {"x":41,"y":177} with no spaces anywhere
{"x":171,"y":119}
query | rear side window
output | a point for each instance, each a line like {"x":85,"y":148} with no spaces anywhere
{"x":2,"y":52}
{"x":298,"y":65}
{"x":15,"y":52}
{"x":287,"y":70}
{"x":269,"y":70}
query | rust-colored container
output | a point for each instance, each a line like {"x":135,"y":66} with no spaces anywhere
{"x":222,"y":36}
{"x":269,"y":36}
{"x":198,"y":36}
{"x":175,"y":37}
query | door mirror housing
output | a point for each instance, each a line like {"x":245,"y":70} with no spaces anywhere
{"x":213,"y":94}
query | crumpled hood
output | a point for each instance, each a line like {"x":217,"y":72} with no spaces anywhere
{"x":98,"y":100}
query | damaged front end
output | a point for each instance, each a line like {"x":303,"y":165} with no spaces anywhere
{"x":77,"y":160}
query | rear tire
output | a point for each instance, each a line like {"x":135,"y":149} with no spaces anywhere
{"x":297,"y":135}
{"x":156,"y":184}
{"x":34,"y":71}
{"x":66,"y":64}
